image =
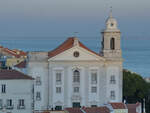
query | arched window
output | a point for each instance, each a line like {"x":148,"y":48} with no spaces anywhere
{"x":112,"y":43}
{"x":76,"y":76}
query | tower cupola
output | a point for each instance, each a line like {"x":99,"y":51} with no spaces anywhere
{"x":111,"y":39}
{"x":111,"y":23}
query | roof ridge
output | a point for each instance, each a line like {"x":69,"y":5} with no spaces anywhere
{"x":13,"y":74}
{"x":69,"y":43}
{"x":61,"y":44}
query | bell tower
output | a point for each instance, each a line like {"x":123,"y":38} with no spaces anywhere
{"x":111,"y":39}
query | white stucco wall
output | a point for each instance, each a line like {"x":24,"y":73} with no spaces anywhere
{"x":66,"y":63}
{"x":15,"y":90}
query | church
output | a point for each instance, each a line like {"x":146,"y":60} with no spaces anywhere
{"x":72,"y":75}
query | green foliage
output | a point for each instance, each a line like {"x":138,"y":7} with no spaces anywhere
{"x":134,"y":86}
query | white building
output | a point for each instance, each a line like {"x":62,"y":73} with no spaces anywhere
{"x":72,"y":75}
{"x":15,"y":92}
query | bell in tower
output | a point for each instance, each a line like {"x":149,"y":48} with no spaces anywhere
{"x":111,"y":39}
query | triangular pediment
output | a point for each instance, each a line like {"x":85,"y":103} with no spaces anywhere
{"x":74,"y":51}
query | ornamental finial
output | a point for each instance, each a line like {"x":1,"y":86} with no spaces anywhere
{"x":110,"y":12}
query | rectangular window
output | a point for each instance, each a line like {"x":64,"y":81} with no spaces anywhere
{"x":76,"y":90}
{"x":112,"y":79}
{"x":9,"y":104}
{"x":58,"y":76}
{"x":76,"y":79}
{"x":112,"y":95}
{"x":3,"y":88}
{"x":94,"y":89}
{"x":94,"y":77}
{"x":1,"y":103}
{"x":38,"y":96}
{"x":21,"y":102}
{"x":58,"y":89}
{"x":38,"y":80}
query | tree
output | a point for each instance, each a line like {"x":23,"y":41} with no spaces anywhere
{"x":135,"y":88}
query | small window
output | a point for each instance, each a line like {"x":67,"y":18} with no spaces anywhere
{"x":112,"y":95}
{"x":58,"y":76}
{"x":112,"y":43}
{"x":112,"y":79}
{"x":3,"y":88}
{"x":18,"y":61}
{"x":9,"y":103}
{"x":38,"y":80}
{"x":38,"y":96}
{"x":58,"y":89}
{"x":94,"y":89}
{"x":76,"y":89}
{"x":21,"y":102}
{"x":94,"y":77}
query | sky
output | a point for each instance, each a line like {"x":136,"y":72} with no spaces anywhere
{"x":61,"y":18}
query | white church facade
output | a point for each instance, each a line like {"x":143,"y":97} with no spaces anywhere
{"x":72,"y":75}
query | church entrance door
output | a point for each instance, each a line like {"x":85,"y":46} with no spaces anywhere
{"x":76,"y":104}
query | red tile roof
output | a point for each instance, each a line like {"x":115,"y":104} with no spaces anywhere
{"x":67,"y":45}
{"x":118,"y":105}
{"x":12,"y":74}
{"x":73,"y":110}
{"x":17,"y":53}
{"x":21,"y":64}
{"x":96,"y":109}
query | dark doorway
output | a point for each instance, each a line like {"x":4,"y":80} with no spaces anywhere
{"x":58,"y":108}
{"x":76,"y":104}
{"x":93,"y":105}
